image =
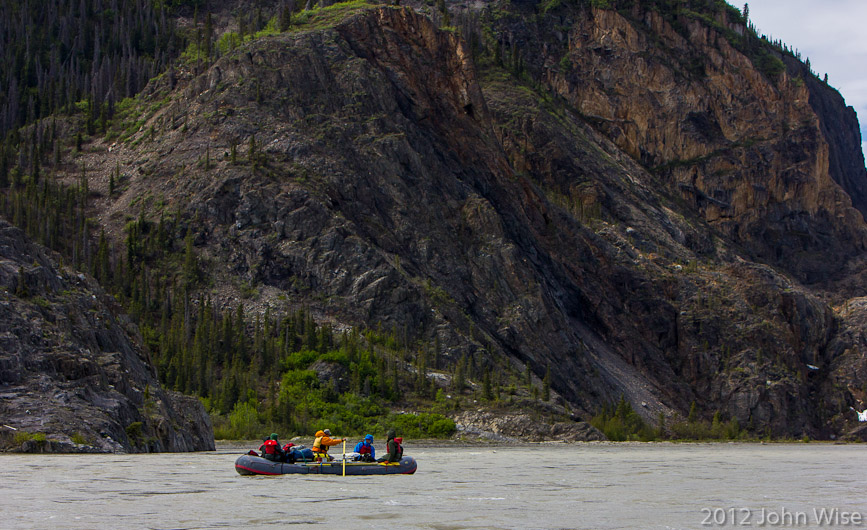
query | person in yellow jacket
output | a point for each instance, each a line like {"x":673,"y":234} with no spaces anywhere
{"x":321,"y":444}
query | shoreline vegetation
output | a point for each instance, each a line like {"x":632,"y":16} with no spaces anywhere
{"x":619,"y":423}
{"x":426,"y":443}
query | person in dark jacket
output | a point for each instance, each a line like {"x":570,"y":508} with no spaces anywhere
{"x":394,"y":449}
{"x":271,"y":449}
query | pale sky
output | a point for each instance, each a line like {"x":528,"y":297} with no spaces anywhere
{"x":831,"y":33}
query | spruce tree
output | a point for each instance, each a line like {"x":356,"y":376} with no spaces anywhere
{"x":487,"y":390}
{"x":285,"y":17}
{"x":4,"y":167}
{"x":191,"y":268}
{"x":312,"y":339}
{"x":459,"y":377}
{"x":251,"y":151}
{"x":100,"y":263}
{"x":209,"y":35}
{"x":240,"y":336}
{"x":21,"y":291}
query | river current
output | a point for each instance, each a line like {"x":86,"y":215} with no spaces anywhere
{"x":557,"y":486}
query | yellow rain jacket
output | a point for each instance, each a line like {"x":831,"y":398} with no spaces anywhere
{"x":323,"y":442}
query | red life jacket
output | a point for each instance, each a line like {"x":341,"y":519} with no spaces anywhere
{"x":271,"y":447}
{"x":365,"y":449}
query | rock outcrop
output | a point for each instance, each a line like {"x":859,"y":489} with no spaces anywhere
{"x":510,"y":427}
{"x":73,"y":374}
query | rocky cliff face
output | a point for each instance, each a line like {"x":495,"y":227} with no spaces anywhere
{"x":839,"y":126}
{"x":73,"y":376}
{"x":770,"y":160}
{"x":645,"y":231}
{"x":747,"y":149}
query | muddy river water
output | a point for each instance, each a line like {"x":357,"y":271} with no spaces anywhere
{"x":556,"y":486}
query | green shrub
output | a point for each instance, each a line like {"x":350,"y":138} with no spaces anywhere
{"x":244,"y":421}
{"x":621,"y":423}
{"x":134,"y":431}
{"x":703,"y":430}
{"x":323,"y":17}
{"x":300,"y":360}
{"x":336,"y":356}
{"x":272,"y":28}
{"x":21,"y":437}
{"x":550,"y":5}
{"x":768,"y":63}
{"x":424,"y":425}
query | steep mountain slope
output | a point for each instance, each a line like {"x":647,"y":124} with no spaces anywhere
{"x":625,"y":220}
{"x":73,"y":376}
{"x":741,"y":144}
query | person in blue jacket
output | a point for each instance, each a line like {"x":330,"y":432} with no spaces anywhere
{"x":365,"y":449}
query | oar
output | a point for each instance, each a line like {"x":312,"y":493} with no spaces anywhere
{"x":344,"y":457}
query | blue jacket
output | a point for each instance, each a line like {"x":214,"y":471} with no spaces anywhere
{"x":361,"y":444}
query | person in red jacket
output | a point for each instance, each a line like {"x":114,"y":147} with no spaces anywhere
{"x":271,"y":449}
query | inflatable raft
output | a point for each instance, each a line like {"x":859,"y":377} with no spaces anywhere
{"x":255,"y":465}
